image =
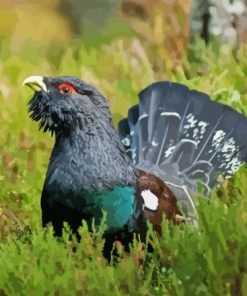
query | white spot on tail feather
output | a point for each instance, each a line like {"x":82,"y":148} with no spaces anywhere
{"x":168,"y":152}
{"x":150,"y":200}
{"x":126,"y":141}
{"x":194,"y":128}
{"x":170,"y":114}
{"x":218,"y":138}
{"x":154,"y":143}
{"x":143,"y":116}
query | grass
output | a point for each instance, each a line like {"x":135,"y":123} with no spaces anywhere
{"x":208,"y":260}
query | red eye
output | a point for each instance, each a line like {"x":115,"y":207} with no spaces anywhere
{"x":66,"y":89}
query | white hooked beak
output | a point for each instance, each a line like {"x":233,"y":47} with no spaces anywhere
{"x":36,"y":83}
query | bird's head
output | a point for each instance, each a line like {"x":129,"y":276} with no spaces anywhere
{"x":65,"y":102}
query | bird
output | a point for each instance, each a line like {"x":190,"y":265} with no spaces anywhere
{"x":148,"y":169}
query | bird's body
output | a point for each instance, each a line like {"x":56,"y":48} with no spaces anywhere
{"x":90,"y":171}
{"x":85,"y":173}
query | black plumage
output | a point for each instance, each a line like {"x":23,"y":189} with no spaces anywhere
{"x":88,"y":163}
{"x":184,"y":137}
{"x":172,"y":138}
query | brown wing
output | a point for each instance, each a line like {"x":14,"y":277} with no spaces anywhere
{"x":167,"y":203}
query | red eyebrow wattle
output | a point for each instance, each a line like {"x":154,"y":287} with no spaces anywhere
{"x":67,"y":85}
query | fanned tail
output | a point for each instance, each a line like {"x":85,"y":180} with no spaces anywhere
{"x":183,"y":137}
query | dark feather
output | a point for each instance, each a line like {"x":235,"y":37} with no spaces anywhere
{"x":182,"y":136}
{"x":167,"y":203}
{"x":174,"y":137}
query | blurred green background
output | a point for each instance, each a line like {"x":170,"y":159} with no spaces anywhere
{"x":120,"y":47}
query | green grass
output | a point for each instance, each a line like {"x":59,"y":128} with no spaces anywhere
{"x":208,"y":260}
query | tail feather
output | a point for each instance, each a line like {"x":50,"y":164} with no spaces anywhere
{"x":182,"y":136}
{"x":124,"y":131}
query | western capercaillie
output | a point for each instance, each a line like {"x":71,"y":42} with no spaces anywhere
{"x":170,"y":140}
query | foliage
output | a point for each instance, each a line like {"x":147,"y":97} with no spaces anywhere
{"x":206,"y":260}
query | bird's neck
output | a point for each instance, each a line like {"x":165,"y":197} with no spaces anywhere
{"x":91,"y":156}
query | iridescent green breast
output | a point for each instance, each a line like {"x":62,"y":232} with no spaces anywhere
{"x":119,"y":204}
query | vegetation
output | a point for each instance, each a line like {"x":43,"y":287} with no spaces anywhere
{"x":210,"y":259}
